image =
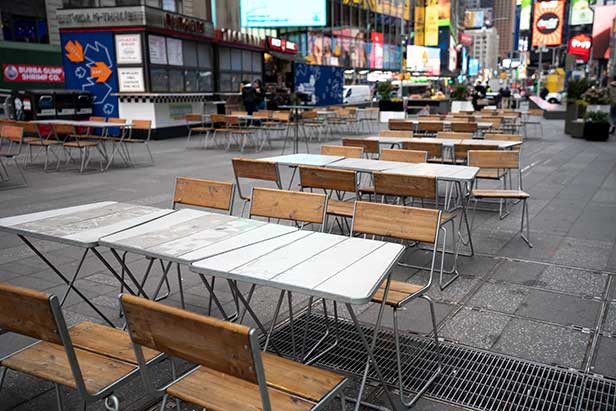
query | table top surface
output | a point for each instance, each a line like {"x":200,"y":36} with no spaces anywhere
{"x":303,"y":159}
{"x":445,"y":141}
{"x":440,"y":171}
{"x":90,"y":124}
{"x":81,"y":225}
{"x":366,"y":165}
{"x":189,"y":235}
{"x":322,"y":265}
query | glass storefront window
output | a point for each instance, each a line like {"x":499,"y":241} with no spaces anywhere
{"x":176,"y":80}
{"x":205,"y":55}
{"x":189,"y":51}
{"x":225,"y":59}
{"x":191,"y":81}
{"x":206,"y":81}
{"x":236,"y":59}
{"x":159,"y":79}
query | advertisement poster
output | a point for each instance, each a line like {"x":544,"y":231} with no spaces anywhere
{"x":580,"y":13}
{"x":425,"y":60}
{"x":420,"y":22}
{"x":580,"y":45}
{"x":31,"y":73}
{"x":431,"y":22}
{"x":376,"y":51}
{"x":174,"y":52}
{"x":602,"y":30}
{"x":131,"y":79}
{"x":444,"y":12}
{"x":323,"y":83}
{"x":548,"y":23}
{"x":158,"y":50}
{"x":128,"y":48}
{"x":473,"y":19}
{"x":473,"y":67}
{"x":89,"y":65}
{"x":525,"y":12}
{"x":282,"y":13}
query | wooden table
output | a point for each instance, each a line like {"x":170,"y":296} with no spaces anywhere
{"x":82,"y":226}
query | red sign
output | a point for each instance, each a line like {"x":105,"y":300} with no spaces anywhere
{"x":548,"y":23}
{"x":283,"y":45}
{"x":376,"y":53}
{"x":580,"y":45}
{"x":30,"y":73}
{"x":185,"y":24}
{"x":465,"y":39}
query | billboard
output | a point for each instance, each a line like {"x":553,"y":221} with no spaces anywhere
{"x":425,"y":60}
{"x":602,"y":30}
{"x":525,"y":12}
{"x":473,"y":19}
{"x":324,"y":84}
{"x":32,"y":73}
{"x":420,"y":22}
{"x":548,"y":23}
{"x":580,"y":45}
{"x":580,"y":13}
{"x":431,"y":23}
{"x":444,"y":12}
{"x":473,"y":67}
{"x":282,"y":13}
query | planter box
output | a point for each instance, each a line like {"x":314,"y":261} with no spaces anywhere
{"x":596,"y":131}
{"x":385,"y":105}
{"x":573,"y":113}
{"x":576,"y":130}
{"x":605,"y":108}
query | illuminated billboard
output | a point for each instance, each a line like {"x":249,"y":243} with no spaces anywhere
{"x":580,"y":13}
{"x":473,"y":67}
{"x":425,"y":60}
{"x":525,"y":12}
{"x":282,"y":13}
{"x":473,"y":19}
{"x":548,"y":23}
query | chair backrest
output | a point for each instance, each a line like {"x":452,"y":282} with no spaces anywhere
{"x":309,"y":114}
{"x":460,"y":151}
{"x":430,"y":126}
{"x":402,"y":185}
{"x":204,"y":193}
{"x":464,"y":127}
{"x":116,"y":120}
{"x":12,"y":133}
{"x":369,"y":146}
{"x":193,"y":117}
{"x":216,"y":344}
{"x":458,"y":119}
{"x":255,"y":169}
{"x":63,"y":129}
{"x":284,"y":116}
{"x":503,"y":137}
{"x":141,"y":124}
{"x":400,"y":125}
{"x":239,"y":113}
{"x":435,"y":150}
{"x":348,"y":152}
{"x":400,"y":222}
{"x":232,"y":120}
{"x":288,"y":205}
{"x":96,"y":118}
{"x":453,"y":135}
{"x":429,"y":117}
{"x":404,"y":156}
{"x":328,"y":179}
{"x":396,"y":133}
{"x":28,"y":312}
{"x":494,"y":159}
{"x":28,"y":127}
{"x":263,"y":113}
{"x":536,"y":112}
{"x":218,"y":119}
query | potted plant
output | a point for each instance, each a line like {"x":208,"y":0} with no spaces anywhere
{"x":575,"y":105}
{"x":459,"y":96}
{"x":388,"y":107}
{"x":598,"y":99}
{"x":597,"y":126}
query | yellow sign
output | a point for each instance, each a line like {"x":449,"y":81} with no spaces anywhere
{"x":431,"y":23}
{"x":420,"y":26}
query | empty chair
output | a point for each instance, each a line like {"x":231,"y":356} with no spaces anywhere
{"x":232,"y":372}
{"x":502,"y":160}
{"x":90,"y":358}
{"x":244,"y":168}
{"x":434,"y":149}
{"x":73,"y":141}
{"x":454,"y":135}
{"x":371,"y":147}
{"x":503,"y":137}
{"x":196,"y":125}
{"x":240,"y":132}
{"x":460,"y":150}
{"x":348,"y":152}
{"x":403,"y":224}
{"x":404,"y":156}
{"x":428,"y":128}
{"x":396,"y":133}
{"x":11,"y":143}
{"x":400,"y":125}
{"x":140,"y":133}
{"x":464,"y":127}
{"x":34,"y":138}
{"x":300,"y":207}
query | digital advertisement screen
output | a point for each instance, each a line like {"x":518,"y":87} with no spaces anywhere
{"x":473,"y":67}
{"x":282,"y":13}
{"x":548,"y":23}
{"x":424,"y":60}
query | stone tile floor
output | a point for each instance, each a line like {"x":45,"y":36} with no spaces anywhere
{"x":553,"y":304}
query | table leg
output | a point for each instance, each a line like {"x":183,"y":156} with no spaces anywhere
{"x":128,"y":272}
{"x":70,"y":284}
{"x":464,"y":204}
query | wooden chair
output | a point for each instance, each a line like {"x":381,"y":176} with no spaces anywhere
{"x":348,"y":151}
{"x":204,"y":193}
{"x":300,"y":207}
{"x":73,"y":141}
{"x":460,"y":151}
{"x":503,"y":137}
{"x":232,"y":372}
{"x":404,"y":156}
{"x":405,"y":224}
{"x":200,"y":128}
{"x":406,"y":125}
{"x":11,"y":144}
{"x":501,"y":160}
{"x":90,"y":358}
{"x":428,"y":128}
{"x":371,"y":147}
{"x":454,"y":135}
{"x":396,"y":133}
{"x":464,"y":127}
{"x":140,"y":132}
{"x":34,"y":138}
{"x":239,"y":113}
{"x":435,"y":150}
{"x":533,"y":117}
{"x":335,"y":184}
{"x":254,"y":170}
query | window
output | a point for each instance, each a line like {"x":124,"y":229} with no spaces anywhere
{"x":191,"y":81}
{"x":159,"y":79}
{"x":236,"y":65}
{"x":176,"y":80}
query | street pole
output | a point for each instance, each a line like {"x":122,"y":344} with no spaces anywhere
{"x":540,"y":68}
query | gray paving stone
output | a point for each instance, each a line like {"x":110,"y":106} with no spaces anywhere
{"x":544,"y":247}
{"x":573,"y":281}
{"x":475,"y":328}
{"x":610,"y":320}
{"x":543,"y":343}
{"x":589,"y":254}
{"x":499,"y":297}
{"x":518,"y":272}
{"x":560,"y":308}
{"x":605,"y":359}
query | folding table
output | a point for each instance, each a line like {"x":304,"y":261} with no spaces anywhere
{"x":82,"y":226}
{"x":189,"y":235}
{"x":300,"y":159}
{"x":333,"y":267}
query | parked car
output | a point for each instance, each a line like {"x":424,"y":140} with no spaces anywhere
{"x":356,"y":94}
{"x":556,"y":98}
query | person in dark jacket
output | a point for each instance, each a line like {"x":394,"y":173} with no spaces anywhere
{"x":260,"y":94}
{"x":249,"y":97}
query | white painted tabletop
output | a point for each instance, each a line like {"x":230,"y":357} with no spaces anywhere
{"x":82,"y":225}
{"x":189,"y":235}
{"x":450,"y":142}
{"x":500,"y":143}
{"x":347,"y":270}
{"x":389,"y":140}
{"x":447,"y":172}
{"x":89,"y":124}
{"x":366,"y":165}
{"x":303,"y":159}
{"x":480,"y":124}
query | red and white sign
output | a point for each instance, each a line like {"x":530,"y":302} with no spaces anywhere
{"x":465,"y":39}
{"x":579,"y":45}
{"x":282,"y":45}
{"x":30,"y":73}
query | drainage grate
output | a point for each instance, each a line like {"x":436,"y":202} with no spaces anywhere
{"x":471,"y":378}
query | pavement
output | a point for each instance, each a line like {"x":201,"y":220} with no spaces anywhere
{"x":552,"y":304}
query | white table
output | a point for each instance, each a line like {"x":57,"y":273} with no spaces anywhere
{"x":87,"y":124}
{"x":319,"y":265}
{"x":189,"y":235}
{"x":303,"y":159}
{"x":365,"y":165}
{"x":440,"y":171}
{"x":82,"y":226}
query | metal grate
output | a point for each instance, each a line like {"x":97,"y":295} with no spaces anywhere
{"x":471,"y":378}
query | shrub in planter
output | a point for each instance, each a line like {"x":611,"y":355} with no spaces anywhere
{"x":596,"y":126}
{"x":575,"y":89}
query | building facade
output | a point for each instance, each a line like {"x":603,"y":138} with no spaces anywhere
{"x":485,"y":47}
{"x":504,"y":22}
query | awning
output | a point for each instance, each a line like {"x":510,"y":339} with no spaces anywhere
{"x":285,"y":56}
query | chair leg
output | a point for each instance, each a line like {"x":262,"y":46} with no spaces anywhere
{"x":3,"y":371}
{"x":147,"y":146}
{"x":163,"y":403}
{"x":181,"y":288}
{"x":112,"y":403}
{"x":59,"y":397}
{"x":526,"y":237}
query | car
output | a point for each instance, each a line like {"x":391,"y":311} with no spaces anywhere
{"x":357,"y":94}
{"x":556,"y":98}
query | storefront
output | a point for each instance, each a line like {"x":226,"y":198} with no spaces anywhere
{"x":145,"y":63}
{"x":278,"y":71}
